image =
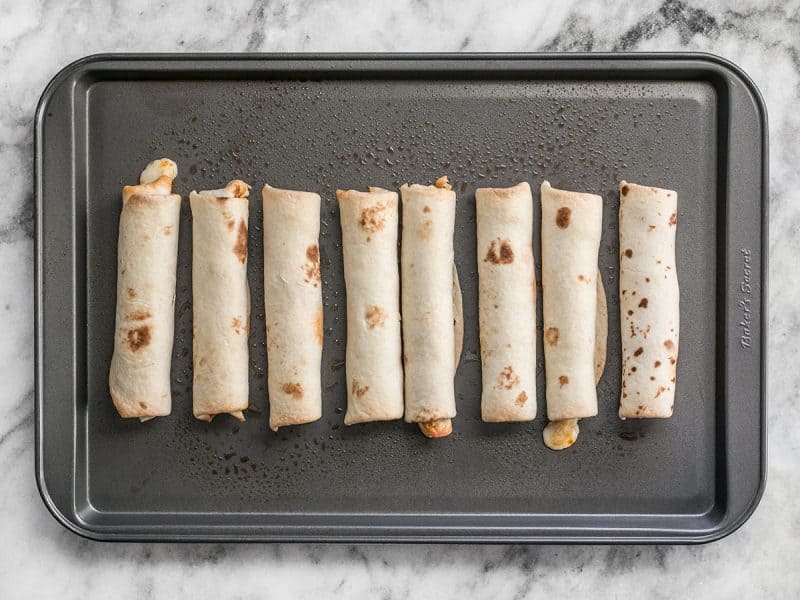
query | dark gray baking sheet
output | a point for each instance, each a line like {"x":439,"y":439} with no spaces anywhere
{"x":693,"y":123}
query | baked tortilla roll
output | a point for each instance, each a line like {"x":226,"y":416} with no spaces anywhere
{"x":374,"y":362}
{"x":292,"y":306}
{"x":507,"y":303}
{"x":147,"y":256}
{"x":220,"y":301}
{"x":429,"y":336}
{"x":648,"y":300}
{"x":571,"y":229}
{"x":559,"y":435}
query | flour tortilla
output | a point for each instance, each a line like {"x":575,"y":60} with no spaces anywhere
{"x":429,"y":319}
{"x":147,"y":254}
{"x":507,"y":303}
{"x":293,"y":306}
{"x":458,"y":320}
{"x":443,"y":427}
{"x":571,"y":229}
{"x":559,"y":435}
{"x":649,"y":300}
{"x":374,"y":361}
{"x":600,"y":331}
{"x":220,"y":301}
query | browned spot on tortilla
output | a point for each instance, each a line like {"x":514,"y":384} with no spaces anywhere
{"x":625,"y":190}
{"x":143,"y":405}
{"x":551,"y":336}
{"x":643,"y":303}
{"x":583,"y":278}
{"x":240,"y":247}
{"x":131,"y":293}
{"x":202,"y":361}
{"x":628,"y":253}
{"x":168,"y":230}
{"x":500,"y":252}
{"x":373,"y":218}
{"x":230,"y":224}
{"x":426,"y":209}
{"x":318,"y":326}
{"x":652,"y":378}
{"x":651,"y":227}
{"x":633,"y":369}
{"x":506,"y":252}
{"x":672,"y":360}
{"x":563,"y":216}
{"x":639,"y":351}
{"x":522,"y":398}
{"x":237,"y":325}
{"x":357,"y":389}
{"x":507,"y":379}
{"x":660,"y":390}
{"x":562,"y":380}
{"x":311,"y":267}
{"x":139,"y":314}
{"x":668,"y":344}
{"x":139,"y":338}
{"x":624,"y":292}
{"x":657,"y":364}
{"x":673,"y":219}
{"x":375,"y":316}
{"x":630,"y":312}
{"x":295,"y":390}
{"x":143,"y":199}
{"x":647,"y":279}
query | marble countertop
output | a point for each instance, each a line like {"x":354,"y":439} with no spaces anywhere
{"x":39,"y":558}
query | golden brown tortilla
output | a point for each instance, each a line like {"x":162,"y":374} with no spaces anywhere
{"x":147,"y":255}
{"x":220,"y":301}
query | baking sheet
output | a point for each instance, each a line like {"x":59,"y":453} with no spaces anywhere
{"x":689,"y":122}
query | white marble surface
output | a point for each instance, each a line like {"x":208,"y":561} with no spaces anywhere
{"x":38,"y":558}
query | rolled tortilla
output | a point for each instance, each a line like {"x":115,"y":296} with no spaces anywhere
{"x":559,"y":435}
{"x":507,"y":303}
{"x":429,"y":336}
{"x":292,"y":306}
{"x":374,"y":362}
{"x":220,"y":300}
{"x":649,"y":300}
{"x":147,"y":255}
{"x":571,"y":229}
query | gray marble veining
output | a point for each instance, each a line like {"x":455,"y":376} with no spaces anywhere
{"x":39,"y":559}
